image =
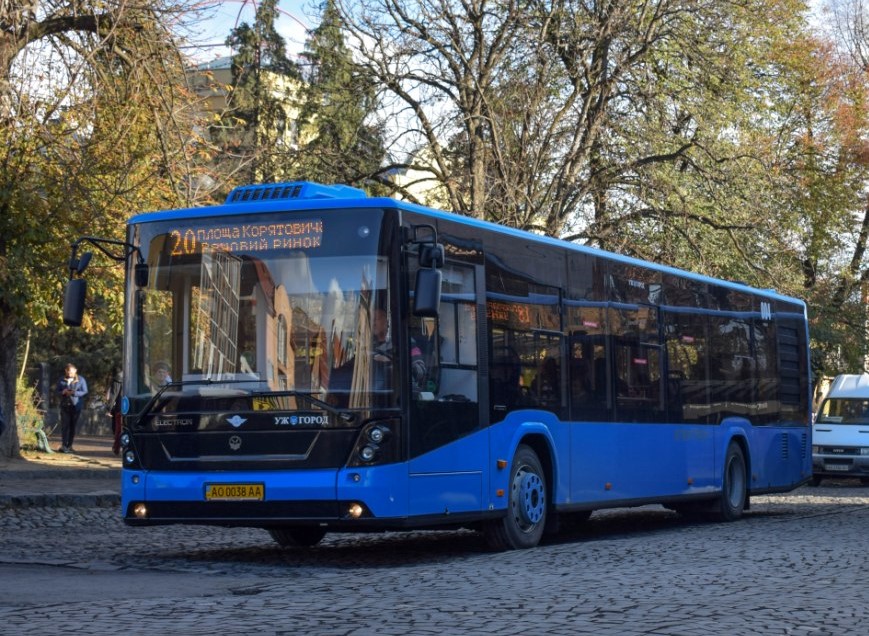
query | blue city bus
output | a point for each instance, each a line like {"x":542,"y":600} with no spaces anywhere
{"x":306,"y":359}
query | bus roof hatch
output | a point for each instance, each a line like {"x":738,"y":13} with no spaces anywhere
{"x":293,"y":190}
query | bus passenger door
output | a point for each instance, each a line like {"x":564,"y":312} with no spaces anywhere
{"x":448,"y":447}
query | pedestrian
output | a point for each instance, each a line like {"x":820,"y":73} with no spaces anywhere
{"x":72,"y":388}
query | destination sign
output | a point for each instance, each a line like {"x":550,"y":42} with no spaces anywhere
{"x":245,"y":237}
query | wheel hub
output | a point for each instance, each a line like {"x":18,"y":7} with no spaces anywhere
{"x":531,"y":498}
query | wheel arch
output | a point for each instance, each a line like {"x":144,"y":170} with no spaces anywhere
{"x":542,"y":447}
{"x":736,"y":431}
{"x":739,"y":438}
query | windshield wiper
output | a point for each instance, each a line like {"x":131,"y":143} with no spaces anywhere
{"x":151,"y":404}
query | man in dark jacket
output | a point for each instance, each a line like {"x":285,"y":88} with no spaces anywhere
{"x":72,"y":388}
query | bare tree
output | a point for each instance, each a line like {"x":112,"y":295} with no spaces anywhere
{"x":543,"y":115}
{"x":437,"y":64}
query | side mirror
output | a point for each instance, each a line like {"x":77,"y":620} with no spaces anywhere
{"x":73,"y":302}
{"x":427,"y":294}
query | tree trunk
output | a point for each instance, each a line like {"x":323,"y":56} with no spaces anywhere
{"x":9,"y":335}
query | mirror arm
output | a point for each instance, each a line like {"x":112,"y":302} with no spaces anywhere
{"x":100,"y":244}
{"x":431,"y":252}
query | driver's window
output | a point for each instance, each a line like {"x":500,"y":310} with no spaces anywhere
{"x":449,"y":344}
{"x":445,"y":397}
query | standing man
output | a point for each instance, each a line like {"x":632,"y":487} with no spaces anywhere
{"x":72,"y":388}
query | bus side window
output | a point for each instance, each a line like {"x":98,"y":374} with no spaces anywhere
{"x":504,"y":373}
{"x":588,"y":365}
{"x":547,"y":385}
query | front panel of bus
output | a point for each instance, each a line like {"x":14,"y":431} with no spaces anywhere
{"x":261,"y":371}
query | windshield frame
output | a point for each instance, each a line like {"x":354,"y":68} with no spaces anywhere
{"x":853,"y":411}
{"x":373,"y":237}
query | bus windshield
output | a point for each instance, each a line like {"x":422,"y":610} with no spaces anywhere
{"x":844,"y":411}
{"x":258,"y":306}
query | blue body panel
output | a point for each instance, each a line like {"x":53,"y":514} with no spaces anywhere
{"x":594,"y":465}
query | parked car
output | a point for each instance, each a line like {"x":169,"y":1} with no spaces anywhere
{"x":840,"y":434}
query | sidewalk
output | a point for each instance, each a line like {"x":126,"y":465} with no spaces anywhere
{"x":89,"y":477}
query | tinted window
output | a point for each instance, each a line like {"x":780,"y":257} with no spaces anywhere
{"x":524,"y":319}
{"x":637,"y":364}
{"x":687,"y":374}
{"x":731,"y":367}
{"x":589,"y":371}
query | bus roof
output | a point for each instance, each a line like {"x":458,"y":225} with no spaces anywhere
{"x":308,"y":196}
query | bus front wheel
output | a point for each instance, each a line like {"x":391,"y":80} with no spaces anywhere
{"x":734,"y":487}
{"x":522,"y":526}
{"x":298,"y":537}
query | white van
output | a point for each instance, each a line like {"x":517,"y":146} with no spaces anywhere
{"x":840,"y":434}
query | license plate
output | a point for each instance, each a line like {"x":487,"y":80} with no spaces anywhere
{"x":840,"y":467}
{"x":235,"y":492}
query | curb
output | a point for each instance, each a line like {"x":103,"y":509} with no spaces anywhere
{"x":94,"y":500}
{"x":71,"y":473}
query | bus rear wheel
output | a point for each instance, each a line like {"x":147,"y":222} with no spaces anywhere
{"x":297,"y":537}
{"x":522,"y":526}
{"x":734,"y":487}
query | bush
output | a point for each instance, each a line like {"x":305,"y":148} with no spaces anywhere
{"x":28,"y":413}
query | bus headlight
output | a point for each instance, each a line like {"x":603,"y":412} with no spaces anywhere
{"x":125,"y":440}
{"x":368,"y":453}
{"x":376,"y":443}
{"x":129,"y":457}
{"x":378,"y":434}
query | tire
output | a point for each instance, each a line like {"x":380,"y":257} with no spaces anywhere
{"x":523,"y":525}
{"x":297,"y":537}
{"x":734,"y":487}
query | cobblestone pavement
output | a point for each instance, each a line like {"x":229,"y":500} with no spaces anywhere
{"x":796,"y":565}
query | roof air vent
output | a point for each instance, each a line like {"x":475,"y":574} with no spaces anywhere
{"x":294,"y":190}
